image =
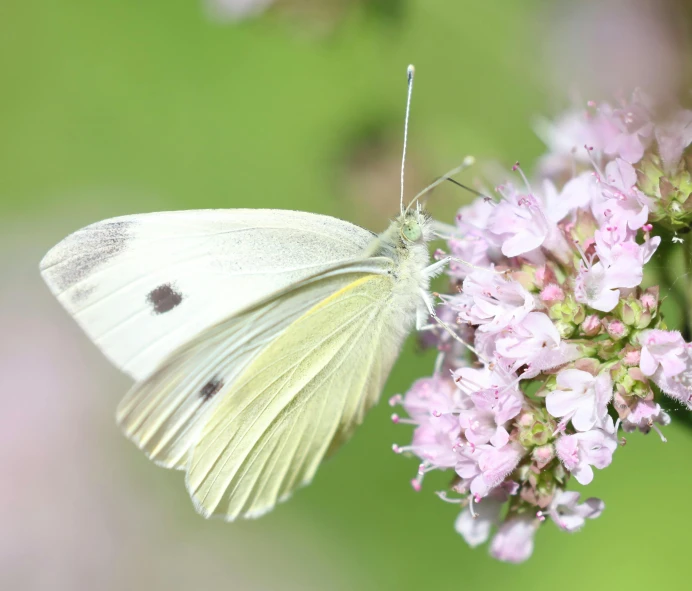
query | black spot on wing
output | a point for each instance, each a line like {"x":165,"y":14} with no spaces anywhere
{"x":87,"y":249}
{"x":164,"y":298}
{"x":210,"y":388}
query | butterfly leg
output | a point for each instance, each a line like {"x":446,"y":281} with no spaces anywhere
{"x":425,"y":311}
{"x":422,"y":324}
{"x":436,"y":268}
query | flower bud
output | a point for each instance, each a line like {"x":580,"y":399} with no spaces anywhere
{"x":616,"y":329}
{"x":586,"y":347}
{"x":608,"y":349}
{"x":536,"y":427}
{"x":628,"y":311}
{"x":539,"y":489}
{"x":523,"y":472}
{"x":567,"y":310}
{"x":649,"y":299}
{"x":565,"y":329}
{"x":552,"y":293}
{"x":591,"y":326}
{"x":669,"y":192}
{"x":591,"y":365}
{"x":542,"y":276}
{"x":629,"y":381}
{"x":566,"y":313}
{"x":543,"y":455}
{"x":622,"y":403}
{"x":637,"y":312}
{"x":526,"y":277}
{"x":631,"y":356}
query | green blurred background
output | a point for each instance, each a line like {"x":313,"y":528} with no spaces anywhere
{"x":108,"y":108}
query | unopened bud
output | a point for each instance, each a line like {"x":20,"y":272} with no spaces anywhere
{"x":552,"y":293}
{"x":591,"y":325}
{"x":543,"y":455}
{"x":616,"y":329}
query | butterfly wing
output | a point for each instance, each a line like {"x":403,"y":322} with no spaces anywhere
{"x":163,"y":414}
{"x":295,"y":401}
{"x":143,"y":285}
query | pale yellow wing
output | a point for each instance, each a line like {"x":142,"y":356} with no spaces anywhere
{"x":296,"y":401}
{"x":163,"y":414}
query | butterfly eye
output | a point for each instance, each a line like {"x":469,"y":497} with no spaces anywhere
{"x":411,"y":231}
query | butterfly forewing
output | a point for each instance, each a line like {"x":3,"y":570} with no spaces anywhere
{"x":143,"y":285}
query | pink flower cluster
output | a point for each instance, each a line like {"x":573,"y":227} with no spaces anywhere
{"x":557,"y":345}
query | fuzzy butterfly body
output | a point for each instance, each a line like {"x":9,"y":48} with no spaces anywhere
{"x":258,"y":339}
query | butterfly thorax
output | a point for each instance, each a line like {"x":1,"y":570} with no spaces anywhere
{"x":405,"y":243}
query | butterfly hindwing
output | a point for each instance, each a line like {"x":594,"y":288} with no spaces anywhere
{"x":295,"y":402}
{"x":164,"y":413}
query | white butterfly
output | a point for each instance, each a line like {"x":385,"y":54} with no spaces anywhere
{"x":258,"y":338}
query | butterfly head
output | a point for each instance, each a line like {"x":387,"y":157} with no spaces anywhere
{"x":414,"y":226}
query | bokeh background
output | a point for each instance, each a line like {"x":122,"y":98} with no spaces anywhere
{"x":110,"y":108}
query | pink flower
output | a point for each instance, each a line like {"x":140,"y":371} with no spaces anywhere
{"x":678,"y":387}
{"x":673,"y":136}
{"x":666,"y":359}
{"x":664,"y":349}
{"x":571,"y":516}
{"x":578,"y":193}
{"x":474,"y":217}
{"x":533,"y":390}
{"x":644,"y":417}
{"x":484,"y":467}
{"x":514,"y":540}
{"x":528,"y":340}
{"x":489,"y":300}
{"x":580,"y":451}
{"x":581,"y":398}
{"x":621,"y":265}
{"x":431,"y":404}
{"x":617,"y":253}
{"x":434,"y":441}
{"x":471,"y":379}
{"x":485,"y":422}
{"x":430,"y":397}
{"x":519,"y":222}
{"x":473,"y":250}
{"x":621,"y":202}
{"x":475,"y":526}
{"x":628,"y":130}
{"x":595,"y":288}
{"x":565,"y":139}
{"x":471,"y":241}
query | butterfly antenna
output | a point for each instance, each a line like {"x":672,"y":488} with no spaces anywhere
{"x":409,"y":75}
{"x":469,"y":189}
{"x":468,"y":161}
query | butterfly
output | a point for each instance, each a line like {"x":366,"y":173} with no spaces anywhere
{"x":258,"y":339}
